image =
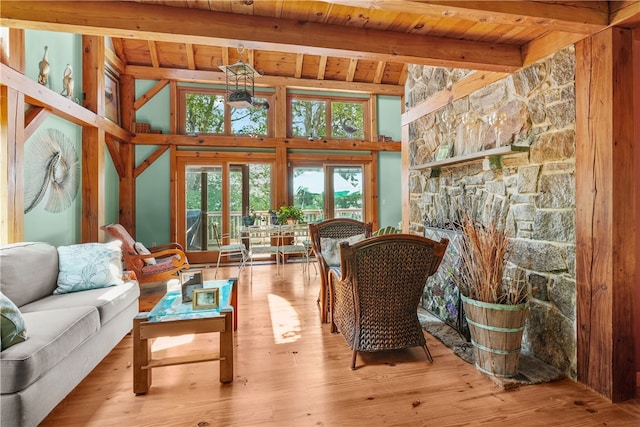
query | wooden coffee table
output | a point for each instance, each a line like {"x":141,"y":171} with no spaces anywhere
{"x":171,"y":317}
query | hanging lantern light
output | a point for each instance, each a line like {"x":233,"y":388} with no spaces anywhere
{"x":240,"y":83}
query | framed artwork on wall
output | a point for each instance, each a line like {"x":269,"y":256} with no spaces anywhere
{"x":111,"y":96}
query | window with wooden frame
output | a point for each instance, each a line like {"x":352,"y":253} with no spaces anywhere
{"x":203,"y":111}
{"x":327,"y":117}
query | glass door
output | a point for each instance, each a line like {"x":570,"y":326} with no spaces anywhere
{"x":344,"y":201}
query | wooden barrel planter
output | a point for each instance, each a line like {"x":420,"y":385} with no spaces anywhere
{"x":496,"y":335}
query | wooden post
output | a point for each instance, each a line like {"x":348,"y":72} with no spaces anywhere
{"x":127,"y":194}
{"x":12,"y":139}
{"x":605,"y":213}
{"x":93,"y":143}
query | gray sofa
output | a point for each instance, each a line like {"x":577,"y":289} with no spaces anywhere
{"x":67,"y":335}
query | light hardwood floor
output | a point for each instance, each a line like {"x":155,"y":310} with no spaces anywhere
{"x":291,"y":371}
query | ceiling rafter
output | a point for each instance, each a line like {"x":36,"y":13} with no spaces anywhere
{"x":191,"y":62}
{"x":322,"y":67}
{"x":153,"y":53}
{"x":351,"y":70}
{"x":299,"y":62}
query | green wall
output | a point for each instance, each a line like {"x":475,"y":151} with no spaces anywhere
{"x":62,"y":228}
{"x":389,"y":163}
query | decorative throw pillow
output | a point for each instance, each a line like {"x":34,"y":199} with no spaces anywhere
{"x":331,"y":251}
{"x":11,"y":323}
{"x":142,"y":250}
{"x":89,"y":266}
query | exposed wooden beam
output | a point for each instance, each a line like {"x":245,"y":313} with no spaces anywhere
{"x":625,"y":13}
{"x":114,"y":150}
{"x":232,"y":141}
{"x":33,"y":118}
{"x":570,"y":17}
{"x":351,"y":70}
{"x":162,"y":23}
{"x":217,"y":77}
{"x":548,"y":44}
{"x":150,"y":94}
{"x":191,"y":62}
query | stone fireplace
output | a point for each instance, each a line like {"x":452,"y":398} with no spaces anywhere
{"x":507,"y":152}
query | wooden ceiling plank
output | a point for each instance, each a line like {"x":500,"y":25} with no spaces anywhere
{"x":164,"y":23}
{"x":153,"y":53}
{"x":215,"y":77}
{"x":322,"y":67}
{"x":191,"y":62}
{"x":33,"y":118}
{"x":150,"y":94}
{"x":299,"y":62}
{"x":555,"y":16}
{"x":379,"y":72}
{"x":351,"y":70}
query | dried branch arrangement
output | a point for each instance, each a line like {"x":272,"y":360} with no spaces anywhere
{"x":484,"y":250}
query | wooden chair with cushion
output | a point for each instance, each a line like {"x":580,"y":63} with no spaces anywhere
{"x":157,"y":263}
{"x":330,"y":232}
{"x":390,"y":229}
{"x":375,"y":296}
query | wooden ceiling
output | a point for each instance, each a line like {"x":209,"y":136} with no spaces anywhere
{"x":334,"y":44}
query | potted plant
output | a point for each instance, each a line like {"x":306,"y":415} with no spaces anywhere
{"x":496,"y":305}
{"x":251,"y":218}
{"x":290,"y":215}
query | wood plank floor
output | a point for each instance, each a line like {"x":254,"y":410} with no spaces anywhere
{"x":291,"y":371}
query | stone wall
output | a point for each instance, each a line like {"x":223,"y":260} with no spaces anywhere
{"x":532,"y":193}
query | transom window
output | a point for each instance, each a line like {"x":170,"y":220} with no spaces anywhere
{"x":330,"y":117}
{"x":203,"y":111}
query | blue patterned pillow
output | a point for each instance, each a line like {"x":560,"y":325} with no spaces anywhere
{"x":11,"y":323}
{"x":89,"y":266}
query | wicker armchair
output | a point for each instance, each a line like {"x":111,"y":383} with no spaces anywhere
{"x":375,"y":299}
{"x":336,"y":228}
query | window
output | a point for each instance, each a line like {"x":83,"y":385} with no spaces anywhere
{"x":336,"y":118}
{"x":203,"y":111}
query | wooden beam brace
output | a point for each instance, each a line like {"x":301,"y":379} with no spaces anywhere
{"x":149,"y":160}
{"x":114,"y":61}
{"x":215,"y":77}
{"x":164,"y":23}
{"x":153,"y":53}
{"x":572,"y":17}
{"x":33,"y":118}
{"x":299,"y":61}
{"x":322,"y":67}
{"x":150,"y":94}
{"x":114,"y":151}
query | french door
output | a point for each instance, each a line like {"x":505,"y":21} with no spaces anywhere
{"x":328,"y":191}
{"x":212,"y":197}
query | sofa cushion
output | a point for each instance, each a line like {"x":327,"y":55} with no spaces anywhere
{"x":28,"y":271}
{"x":11,"y":323}
{"x":109,"y":301}
{"x":89,"y":266}
{"x":53,"y":335}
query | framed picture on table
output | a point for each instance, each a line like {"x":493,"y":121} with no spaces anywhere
{"x":206,"y":298}
{"x":190,"y":280}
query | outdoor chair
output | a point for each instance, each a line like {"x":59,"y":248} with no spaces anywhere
{"x":152,"y":264}
{"x":330,"y":232}
{"x":375,"y":297}
{"x":229,"y":249}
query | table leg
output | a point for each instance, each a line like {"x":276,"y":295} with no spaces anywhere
{"x":141,"y":356}
{"x":226,"y":347}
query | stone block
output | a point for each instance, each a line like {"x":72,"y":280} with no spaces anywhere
{"x":539,"y":256}
{"x":528,"y":179}
{"x":562,"y":293}
{"x":556,"y":191}
{"x":555,"y":225}
{"x":554,"y":146}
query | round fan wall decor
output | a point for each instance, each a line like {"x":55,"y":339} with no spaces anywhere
{"x":52,"y":170}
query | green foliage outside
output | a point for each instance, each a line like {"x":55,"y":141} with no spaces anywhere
{"x":309,"y":118}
